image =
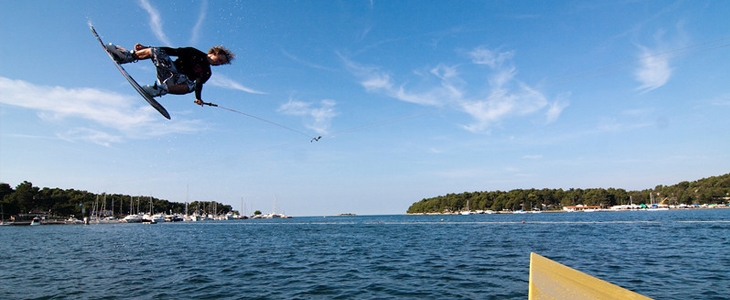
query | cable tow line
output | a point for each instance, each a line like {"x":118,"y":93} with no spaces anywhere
{"x":313,"y":139}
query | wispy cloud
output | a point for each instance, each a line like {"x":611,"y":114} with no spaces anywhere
{"x":557,"y":107}
{"x":319,"y":116}
{"x":121,"y":117}
{"x":722,"y":100}
{"x":484,"y":56}
{"x":503,"y":97}
{"x":199,"y":23}
{"x":225,"y":82}
{"x":303,"y":62}
{"x":155,"y":21}
{"x":90,"y":135}
{"x":377,"y":81}
{"x":653,"y":71}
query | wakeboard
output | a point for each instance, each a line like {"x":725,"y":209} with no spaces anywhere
{"x":131,"y":80}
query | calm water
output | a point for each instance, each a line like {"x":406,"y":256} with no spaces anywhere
{"x":663,"y":255}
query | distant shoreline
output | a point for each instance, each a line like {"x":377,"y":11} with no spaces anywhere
{"x":564,"y":211}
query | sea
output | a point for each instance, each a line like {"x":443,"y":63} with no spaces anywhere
{"x":676,"y":254}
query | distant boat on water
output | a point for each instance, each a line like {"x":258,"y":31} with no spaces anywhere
{"x":467,"y":211}
{"x":133,"y":219}
{"x":272,"y":215}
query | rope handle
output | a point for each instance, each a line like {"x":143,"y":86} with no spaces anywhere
{"x":207,"y":103}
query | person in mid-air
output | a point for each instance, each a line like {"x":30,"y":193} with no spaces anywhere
{"x":186,"y":74}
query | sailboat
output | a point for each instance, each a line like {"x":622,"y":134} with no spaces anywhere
{"x":274,"y":215}
{"x":467,"y":211}
{"x":132,"y":218}
{"x":151,"y":218}
{"x":656,"y":206}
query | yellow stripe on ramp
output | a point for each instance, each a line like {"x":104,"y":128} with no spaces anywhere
{"x":552,"y":280}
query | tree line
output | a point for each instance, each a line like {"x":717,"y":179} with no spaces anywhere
{"x":60,"y":203}
{"x":710,"y":190}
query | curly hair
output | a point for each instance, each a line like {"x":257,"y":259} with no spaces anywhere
{"x":223,"y":50}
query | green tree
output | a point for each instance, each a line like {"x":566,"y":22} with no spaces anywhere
{"x":24,"y":197}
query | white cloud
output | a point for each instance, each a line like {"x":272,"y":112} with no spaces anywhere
{"x":653,"y":71}
{"x":110,"y":109}
{"x":120,"y":117}
{"x":376,"y":81}
{"x":503,"y":101}
{"x":320,"y":116}
{"x":483,"y":56}
{"x":556,"y":108}
{"x":199,"y":23}
{"x":722,"y":100}
{"x":155,"y":21}
{"x":303,"y":62}
{"x":90,"y":135}
{"x":225,"y":82}
{"x":503,"y":97}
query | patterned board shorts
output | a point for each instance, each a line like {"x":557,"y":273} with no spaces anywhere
{"x":167,"y":74}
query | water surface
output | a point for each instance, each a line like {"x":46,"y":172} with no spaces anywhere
{"x":663,"y":255}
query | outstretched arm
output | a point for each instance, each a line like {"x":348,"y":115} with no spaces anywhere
{"x":142,"y":52}
{"x":198,"y":92}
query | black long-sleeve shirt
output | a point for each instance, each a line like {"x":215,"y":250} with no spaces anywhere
{"x":192,"y":63}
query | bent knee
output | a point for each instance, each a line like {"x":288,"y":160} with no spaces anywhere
{"x":179,"y":89}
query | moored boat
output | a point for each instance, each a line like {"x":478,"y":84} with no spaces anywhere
{"x":132,"y":219}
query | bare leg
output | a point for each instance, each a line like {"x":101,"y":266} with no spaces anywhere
{"x":180,"y":89}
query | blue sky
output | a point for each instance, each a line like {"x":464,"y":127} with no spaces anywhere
{"x":413,"y":99}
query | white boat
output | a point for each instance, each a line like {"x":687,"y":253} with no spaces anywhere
{"x":657,"y":206}
{"x":195,"y":217}
{"x":658,"y":209}
{"x":35,"y":222}
{"x":133,"y":219}
{"x":467,"y":211}
{"x":272,"y":215}
{"x":73,"y":221}
{"x":151,"y":217}
{"x":158,"y":218}
{"x":147,"y":219}
{"x":173,"y":218}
